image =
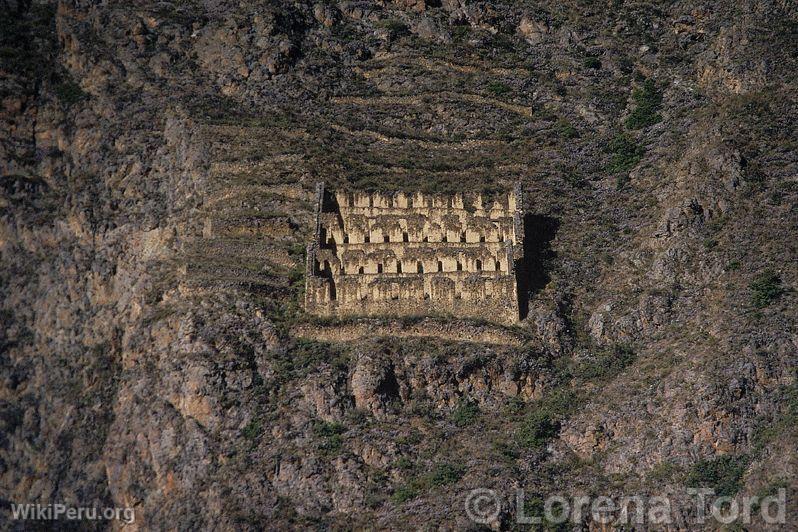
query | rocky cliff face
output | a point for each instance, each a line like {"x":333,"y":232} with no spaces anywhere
{"x":157,"y":162}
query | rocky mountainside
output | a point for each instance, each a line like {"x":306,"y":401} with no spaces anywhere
{"x":158,"y":162}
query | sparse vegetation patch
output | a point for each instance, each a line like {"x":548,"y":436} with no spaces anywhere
{"x":625,"y":154}
{"x":765,"y":289}
{"x":723,"y":474}
{"x":648,"y":100}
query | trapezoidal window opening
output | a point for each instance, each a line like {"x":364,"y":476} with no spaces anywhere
{"x":425,"y":239}
{"x":398,"y":267}
{"x":386,"y":238}
{"x":479,"y":265}
{"x":346,"y":239}
{"x":445,"y":237}
{"x":419,"y":267}
{"x":462,"y":237}
{"x":379,"y":268}
{"x":482,"y":238}
{"x":360,"y":270}
{"x":498,"y":266}
{"x":440,"y":266}
{"x":367,"y":238}
{"x":459,"y":266}
{"x":405,"y":237}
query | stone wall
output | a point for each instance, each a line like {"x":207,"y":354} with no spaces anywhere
{"x":414,"y":254}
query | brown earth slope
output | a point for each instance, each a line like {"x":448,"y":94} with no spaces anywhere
{"x":157,"y":162}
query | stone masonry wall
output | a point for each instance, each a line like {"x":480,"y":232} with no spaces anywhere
{"x":411,"y":255}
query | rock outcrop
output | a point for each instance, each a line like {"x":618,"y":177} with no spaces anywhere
{"x":157,"y":170}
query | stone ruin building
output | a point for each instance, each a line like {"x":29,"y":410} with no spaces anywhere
{"x":414,"y":255}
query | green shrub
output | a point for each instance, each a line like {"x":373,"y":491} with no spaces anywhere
{"x":413,"y":437}
{"x":606,"y":364}
{"x":326,"y":429}
{"x":626,"y":153}
{"x":565,"y":129}
{"x":592,"y":62}
{"x":69,"y":93}
{"x":444,"y":474}
{"x":575,"y":179}
{"x":790,"y":398}
{"x":404,"y":463}
{"x":505,"y":450}
{"x":770,"y":428}
{"x":626,"y":65}
{"x":304,"y":355}
{"x":537,"y":429}
{"x":396,"y":28}
{"x":723,"y":474}
{"x":330,"y":435}
{"x":765,"y":289}
{"x":465,"y":413}
{"x":501,"y":42}
{"x":404,"y":493}
{"x":253,"y":430}
{"x":663,"y":472}
{"x":497,"y":88}
{"x":296,"y":275}
{"x":560,"y":403}
{"x":648,"y":100}
{"x":772,"y":488}
{"x":544,"y":422}
{"x":461,"y":32}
